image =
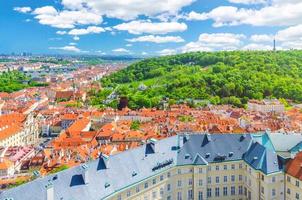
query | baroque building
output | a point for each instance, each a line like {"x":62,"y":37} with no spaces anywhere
{"x":184,"y":167}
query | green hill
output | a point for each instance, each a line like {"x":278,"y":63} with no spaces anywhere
{"x":218,"y":77}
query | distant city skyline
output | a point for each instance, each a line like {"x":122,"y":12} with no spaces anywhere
{"x":148,"y":27}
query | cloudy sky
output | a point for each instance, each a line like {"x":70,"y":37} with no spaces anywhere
{"x":148,"y":27}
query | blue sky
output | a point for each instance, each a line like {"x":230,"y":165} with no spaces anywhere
{"x":148,"y":27}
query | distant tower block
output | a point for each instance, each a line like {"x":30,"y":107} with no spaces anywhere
{"x":274,"y":45}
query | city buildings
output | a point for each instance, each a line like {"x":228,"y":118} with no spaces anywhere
{"x":266,"y":105}
{"x":187,"y":166}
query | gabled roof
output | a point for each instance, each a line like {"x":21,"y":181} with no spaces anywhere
{"x":107,"y":176}
{"x":291,"y":141}
{"x":263,"y":159}
{"x":294,"y":167}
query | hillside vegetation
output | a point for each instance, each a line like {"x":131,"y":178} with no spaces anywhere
{"x":14,"y":81}
{"x":217,"y":77}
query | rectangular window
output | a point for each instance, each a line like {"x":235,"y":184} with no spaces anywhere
{"x":297,"y":183}
{"x":190,"y":181}
{"x":288,"y":179}
{"x":154,"y":181}
{"x":233,"y":190}
{"x":200,"y":195}
{"x":225,"y":179}
{"x":161,"y":177}
{"x":179,"y":171}
{"x":179,"y":196}
{"x":225,"y":191}
{"x":273,"y":192}
{"x":233,"y":178}
{"x":240,"y":166}
{"x":217,"y":179}
{"x":217,"y":192}
{"x":200,"y":182}
{"x":240,"y":190}
{"x":217,"y":167}
{"x":137,"y":189}
{"x":209,"y":180}
{"x":161,"y":192}
{"x":225,"y":167}
{"x":168,"y":187}
{"x":297,"y":196}
{"x":179,"y":183}
{"x":209,"y":168}
{"x":128,"y":193}
{"x":233,"y":166}
{"x":209,"y":192}
{"x":168,"y":175}
{"x":146,"y":185}
{"x":273,"y":179}
{"x":200,"y":170}
{"x":154,"y":194}
{"x":240,"y":177}
{"x":190,"y":194}
{"x":288,"y":191}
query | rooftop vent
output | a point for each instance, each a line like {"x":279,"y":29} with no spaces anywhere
{"x":49,"y":191}
{"x":255,"y":158}
{"x":208,"y":155}
{"x":242,"y":137}
{"x":187,"y":156}
{"x":231,"y":154}
{"x":85,"y":174}
{"x":107,"y":185}
{"x":134,"y":173}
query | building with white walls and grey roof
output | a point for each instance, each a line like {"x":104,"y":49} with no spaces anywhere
{"x":188,"y":166}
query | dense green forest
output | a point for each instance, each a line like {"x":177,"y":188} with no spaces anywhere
{"x":216,"y":77}
{"x":14,"y":81}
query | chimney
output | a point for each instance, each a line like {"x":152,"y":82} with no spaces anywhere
{"x":49,"y":191}
{"x":85,"y":174}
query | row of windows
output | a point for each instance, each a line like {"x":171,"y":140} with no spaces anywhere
{"x":273,"y":191}
{"x":297,"y":194}
{"x":297,"y":182}
{"x":225,"y":167}
{"x":225,"y":191}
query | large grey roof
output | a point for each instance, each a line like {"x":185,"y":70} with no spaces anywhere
{"x":133,"y":166}
{"x":262,"y":159}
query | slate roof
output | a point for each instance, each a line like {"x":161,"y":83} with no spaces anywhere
{"x":107,"y":176}
{"x":263,"y":159}
{"x":291,"y":141}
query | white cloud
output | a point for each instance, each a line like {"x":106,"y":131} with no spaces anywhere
{"x":262,"y":38}
{"x":196,"y":16}
{"x":278,"y":13}
{"x":249,"y":1}
{"x":157,"y":39}
{"x":61,"y":32}
{"x":72,"y":43}
{"x":128,"y":9}
{"x":22,"y":9}
{"x":121,"y":50}
{"x":166,"y":52}
{"x":48,"y":15}
{"x":88,"y":30}
{"x":144,"y":53}
{"x":129,"y":45}
{"x":290,"y":37}
{"x":215,"y":41}
{"x":76,"y":38}
{"x":67,"y":48}
{"x":140,"y":27}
